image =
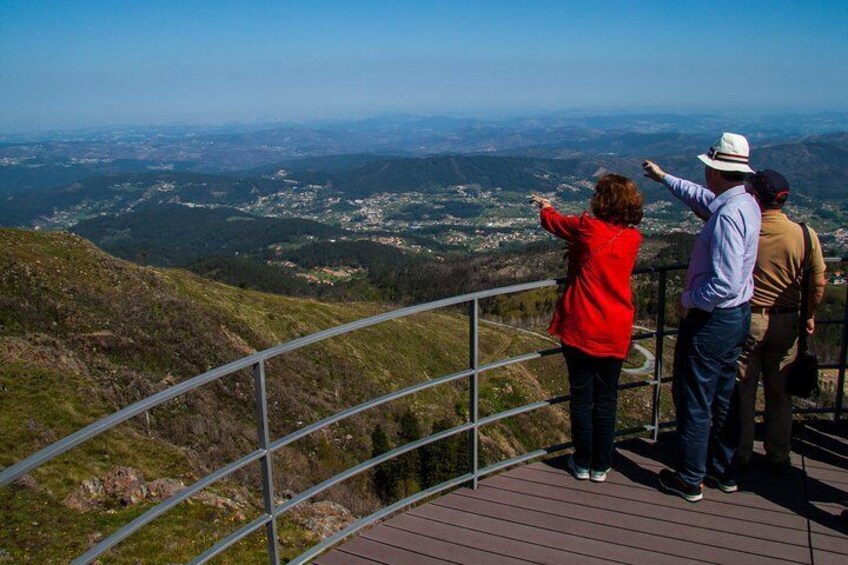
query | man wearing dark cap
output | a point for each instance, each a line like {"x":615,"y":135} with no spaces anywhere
{"x":716,"y":316}
{"x":775,"y":306}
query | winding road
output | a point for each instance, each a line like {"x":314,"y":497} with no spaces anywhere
{"x":647,"y":368}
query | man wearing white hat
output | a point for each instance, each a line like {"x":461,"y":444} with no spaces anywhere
{"x":716,"y":316}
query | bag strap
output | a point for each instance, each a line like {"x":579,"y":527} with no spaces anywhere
{"x":805,"y":289}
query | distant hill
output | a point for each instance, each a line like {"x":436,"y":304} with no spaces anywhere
{"x":37,"y":174}
{"x":171,"y":234}
{"x":435,"y":174}
{"x":624,"y":144}
{"x":327,"y":164}
{"x":227,"y":147}
{"x":816,"y":169}
{"x":117,"y":193}
{"x":569,"y":157}
{"x":243,"y":250}
{"x":253,"y":274}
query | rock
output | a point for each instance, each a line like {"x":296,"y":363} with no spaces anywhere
{"x":216,"y":501}
{"x":88,"y":496}
{"x":28,"y":482}
{"x":126,"y":485}
{"x":322,"y":518}
{"x":160,"y":489}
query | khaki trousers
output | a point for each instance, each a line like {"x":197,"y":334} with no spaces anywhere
{"x":770,"y":348}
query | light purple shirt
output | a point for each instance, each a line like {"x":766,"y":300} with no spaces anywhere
{"x":723,"y":257}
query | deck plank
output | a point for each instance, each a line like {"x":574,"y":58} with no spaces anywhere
{"x":342,"y":558}
{"x":502,"y":540}
{"x":825,"y":449}
{"x":581,"y":505}
{"x":715,"y":501}
{"x":438,"y":548}
{"x":539,"y":513}
{"x":377,"y":552}
{"x":566,"y":546}
{"x":647,"y":534}
{"x":829,"y":558}
{"x":835,"y":544}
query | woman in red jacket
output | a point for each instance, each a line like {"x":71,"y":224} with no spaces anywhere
{"x":594,"y":316}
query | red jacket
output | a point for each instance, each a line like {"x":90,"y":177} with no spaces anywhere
{"x":595,"y":313}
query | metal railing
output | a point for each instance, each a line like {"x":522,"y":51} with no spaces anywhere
{"x":266,"y":447}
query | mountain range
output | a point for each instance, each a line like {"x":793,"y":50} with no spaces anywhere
{"x":816,"y":167}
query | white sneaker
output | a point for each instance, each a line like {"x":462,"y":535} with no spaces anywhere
{"x":580,"y":473}
{"x":598,"y":476}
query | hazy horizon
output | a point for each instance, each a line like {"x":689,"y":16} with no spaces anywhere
{"x":94,"y":63}
{"x":494,"y":117}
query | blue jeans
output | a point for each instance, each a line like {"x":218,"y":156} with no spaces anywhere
{"x":594,"y":393}
{"x":704,"y":390}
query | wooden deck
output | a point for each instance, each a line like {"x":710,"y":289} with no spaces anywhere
{"x":540,"y":514}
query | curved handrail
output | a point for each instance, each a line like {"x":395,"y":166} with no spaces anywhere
{"x":258,"y":359}
{"x":14,"y":472}
{"x":69,"y":442}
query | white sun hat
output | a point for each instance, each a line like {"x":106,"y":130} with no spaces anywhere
{"x":730,"y":153}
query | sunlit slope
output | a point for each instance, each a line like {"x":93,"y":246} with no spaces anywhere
{"x":83,"y":334}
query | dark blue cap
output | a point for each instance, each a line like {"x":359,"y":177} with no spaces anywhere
{"x":770,"y":186}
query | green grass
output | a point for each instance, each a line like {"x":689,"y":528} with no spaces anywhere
{"x":169,"y":325}
{"x":36,"y":530}
{"x":38,"y":406}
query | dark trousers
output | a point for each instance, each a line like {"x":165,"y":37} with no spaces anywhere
{"x":705,"y":392}
{"x":594,"y":393}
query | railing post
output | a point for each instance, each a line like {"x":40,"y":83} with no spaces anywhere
{"x":843,"y":359}
{"x":473,"y":393}
{"x":658,"y":353}
{"x":265,"y":462}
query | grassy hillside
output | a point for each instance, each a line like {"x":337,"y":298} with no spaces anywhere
{"x":83,"y":334}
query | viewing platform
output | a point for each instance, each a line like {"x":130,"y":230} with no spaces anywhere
{"x":525,"y":508}
{"x":539,"y":513}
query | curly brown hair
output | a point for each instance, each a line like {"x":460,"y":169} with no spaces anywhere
{"x":617,"y":200}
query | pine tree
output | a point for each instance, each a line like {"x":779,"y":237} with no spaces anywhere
{"x":409,"y":464}
{"x":438,"y":460}
{"x":385,"y":484}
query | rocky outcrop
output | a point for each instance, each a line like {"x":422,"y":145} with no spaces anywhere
{"x":160,"y":489}
{"x":126,"y":485}
{"x":322,"y":519}
{"x":88,"y":496}
{"x":123,"y":486}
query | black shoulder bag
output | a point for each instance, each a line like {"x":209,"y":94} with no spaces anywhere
{"x":803,"y":378}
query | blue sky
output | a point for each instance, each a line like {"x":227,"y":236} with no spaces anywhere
{"x":87,"y":63}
